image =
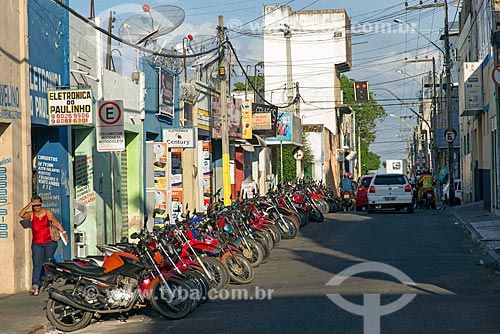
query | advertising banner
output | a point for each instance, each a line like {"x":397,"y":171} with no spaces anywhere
{"x":160,"y":179}
{"x":264,"y":120}
{"x":207,"y":173}
{"x":216,"y":118}
{"x":246,"y":119}
{"x":234,"y":114}
{"x":70,"y":106}
{"x":52,"y":185}
{"x":166,"y":95}
{"x":234,"y":118}
{"x":179,"y":137}
{"x":288,"y":130}
{"x":176,"y":183}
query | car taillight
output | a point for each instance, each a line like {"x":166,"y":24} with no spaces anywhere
{"x":372,"y":189}
{"x":407,"y":189}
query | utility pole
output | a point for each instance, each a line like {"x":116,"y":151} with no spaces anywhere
{"x":289,"y":82}
{"x":449,"y":111}
{"x":108,"y":50}
{"x":226,"y":172}
{"x":448,"y":91}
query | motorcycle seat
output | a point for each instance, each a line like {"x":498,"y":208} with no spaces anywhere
{"x":85,"y":269}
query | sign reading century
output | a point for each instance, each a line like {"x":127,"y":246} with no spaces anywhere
{"x":70,"y":107}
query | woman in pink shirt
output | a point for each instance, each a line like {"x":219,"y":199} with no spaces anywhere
{"x":42,"y":246}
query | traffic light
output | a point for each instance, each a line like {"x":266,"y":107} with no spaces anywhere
{"x":361,"y":91}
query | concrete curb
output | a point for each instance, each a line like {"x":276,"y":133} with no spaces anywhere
{"x":476,"y":238}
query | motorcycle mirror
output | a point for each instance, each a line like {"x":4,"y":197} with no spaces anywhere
{"x":124,"y":240}
{"x":134,"y":235}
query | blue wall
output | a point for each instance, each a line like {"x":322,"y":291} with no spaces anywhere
{"x":48,"y":47}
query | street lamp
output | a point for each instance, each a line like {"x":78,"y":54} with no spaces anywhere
{"x":404,"y":104}
{"x":448,"y":87}
{"x":416,"y":139}
{"x":409,"y":76}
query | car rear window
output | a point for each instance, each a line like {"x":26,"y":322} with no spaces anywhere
{"x":389,"y":179}
{"x":365,"y":182}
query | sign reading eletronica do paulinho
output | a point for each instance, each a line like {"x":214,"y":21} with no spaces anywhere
{"x":70,"y":106}
{"x":179,"y":137}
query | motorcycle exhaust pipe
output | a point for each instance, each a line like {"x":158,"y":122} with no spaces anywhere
{"x":57,"y":296}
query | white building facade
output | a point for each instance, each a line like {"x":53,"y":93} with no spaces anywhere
{"x":305,"y":53}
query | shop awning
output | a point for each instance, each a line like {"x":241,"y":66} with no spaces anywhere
{"x":250,"y":144}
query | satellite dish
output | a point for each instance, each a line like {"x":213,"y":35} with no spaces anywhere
{"x":151,"y":23}
{"x":80,"y":212}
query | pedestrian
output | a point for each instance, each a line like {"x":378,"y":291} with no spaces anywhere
{"x":249,"y":188}
{"x":42,"y":245}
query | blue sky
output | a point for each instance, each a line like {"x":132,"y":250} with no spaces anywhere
{"x":380,"y":45}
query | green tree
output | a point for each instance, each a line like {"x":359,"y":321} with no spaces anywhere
{"x":289,"y":166}
{"x":367,"y":113}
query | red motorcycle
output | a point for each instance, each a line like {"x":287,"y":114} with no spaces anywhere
{"x":124,"y":281}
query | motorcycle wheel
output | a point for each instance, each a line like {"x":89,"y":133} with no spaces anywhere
{"x":66,"y":318}
{"x":240,"y":269}
{"x":200,"y":283}
{"x":267,"y":252}
{"x":275,"y":232}
{"x":253,"y":252}
{"x":266,"y":237}
{"x":287,"y":228}
{"x":305,"y":217}
{"x":316,"y":216}
{"x":176,"y":307}
{"x":219,"y":272}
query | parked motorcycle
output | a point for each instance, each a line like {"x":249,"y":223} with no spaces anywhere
{"x":124,"y":281}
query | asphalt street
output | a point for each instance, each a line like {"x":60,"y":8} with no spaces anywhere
{"x":453,"y":293}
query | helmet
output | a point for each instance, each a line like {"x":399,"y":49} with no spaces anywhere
{"x":228,"y":228}
{"x":418,"y":173}
{"x":426,"y":171}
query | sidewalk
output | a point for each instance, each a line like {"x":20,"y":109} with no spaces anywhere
{"x":24,"y":314}
{"x":483,"y":226}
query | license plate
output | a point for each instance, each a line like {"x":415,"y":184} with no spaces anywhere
{"x":389,"y":198}
{"x":346,"y":196}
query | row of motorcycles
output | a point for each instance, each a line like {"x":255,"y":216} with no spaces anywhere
{"x":178,"y":265}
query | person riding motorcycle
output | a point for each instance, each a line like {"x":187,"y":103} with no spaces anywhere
{"x":425,"y":182}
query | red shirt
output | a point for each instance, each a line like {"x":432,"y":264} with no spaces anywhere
{"x":40,"y":227}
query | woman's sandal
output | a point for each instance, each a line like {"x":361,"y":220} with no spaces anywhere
{"x":34,"y":292}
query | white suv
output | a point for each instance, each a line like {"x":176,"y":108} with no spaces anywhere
{"x":390,"y":191}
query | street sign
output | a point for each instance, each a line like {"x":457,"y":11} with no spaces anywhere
{"x":496,"y":75}
{"x":109,"y":128}
{"x":450,"y":135}
{"x":298,"y":154}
